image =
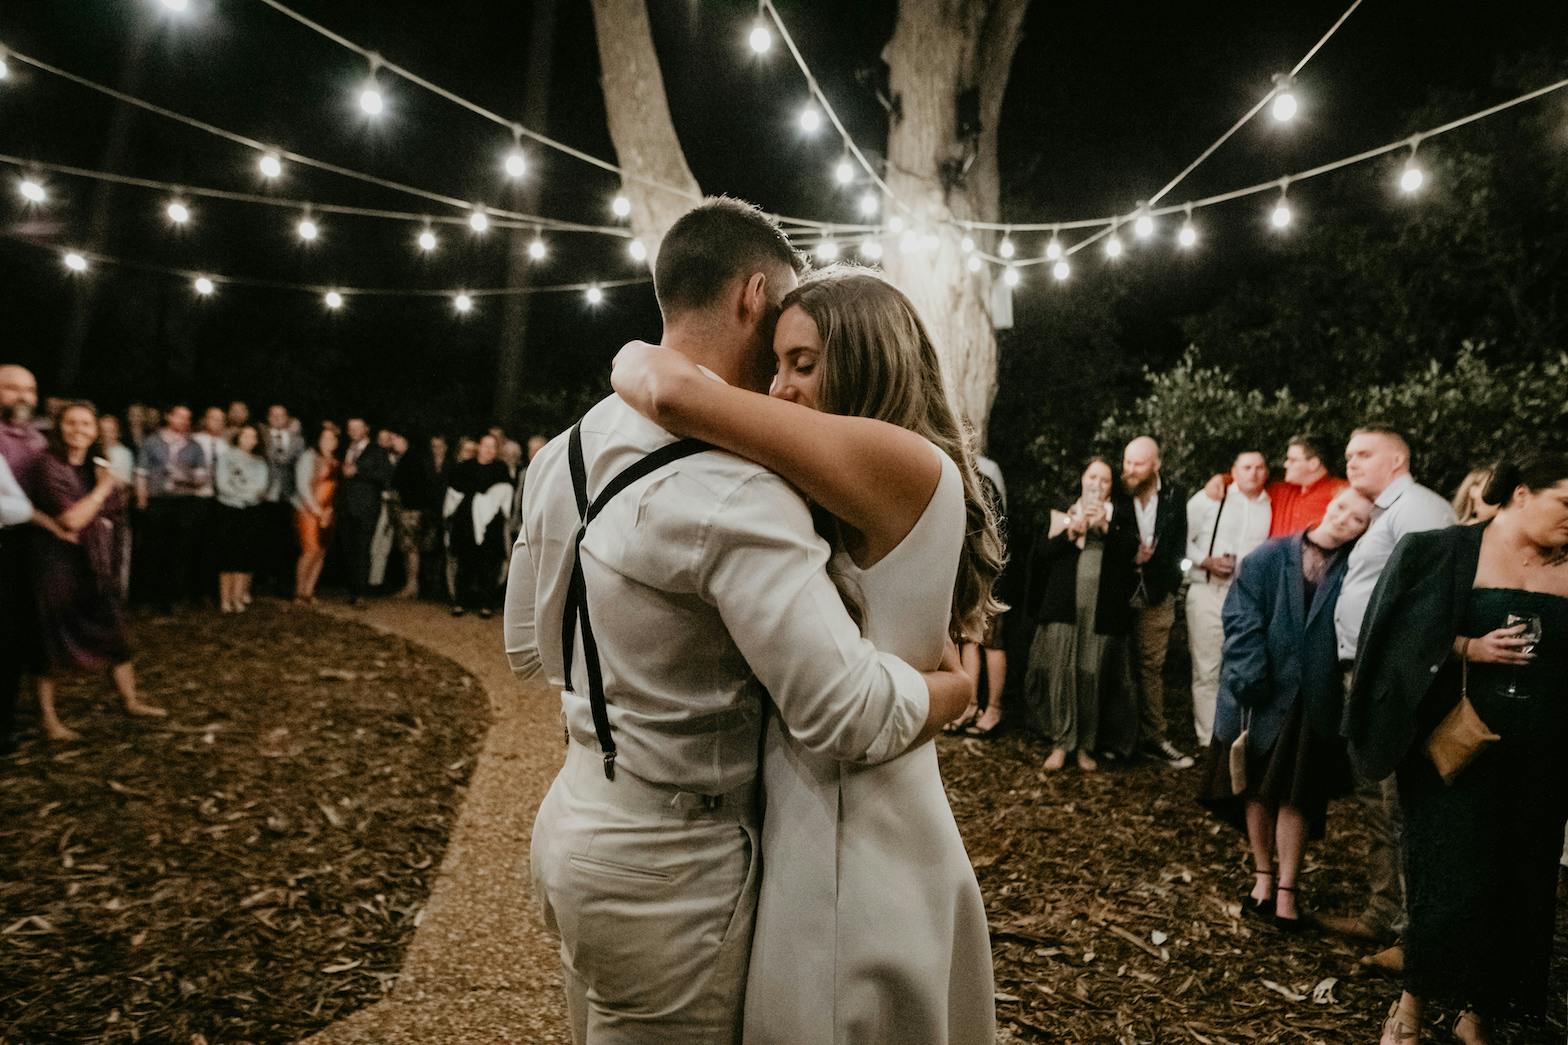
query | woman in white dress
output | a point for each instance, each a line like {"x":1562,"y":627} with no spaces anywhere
{"x":870,"y":925}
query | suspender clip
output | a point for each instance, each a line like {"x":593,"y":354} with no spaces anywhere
{"x":609,"y":765}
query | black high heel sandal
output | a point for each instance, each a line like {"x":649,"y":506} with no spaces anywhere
{"x":1252,"y":905}
{"x":1287,"y":925}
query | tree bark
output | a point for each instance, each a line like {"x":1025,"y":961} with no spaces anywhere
{"x":939,"y":49}
{"x":511,"y":369}
{"x":646,"y":146}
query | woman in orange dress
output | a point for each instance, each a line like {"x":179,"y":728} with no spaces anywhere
{"x":316,"y":476}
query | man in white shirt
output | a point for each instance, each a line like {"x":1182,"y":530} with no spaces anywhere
{"x":1377,"y":463}
{"x":709,"y":598}
{"x":1219,"y":536}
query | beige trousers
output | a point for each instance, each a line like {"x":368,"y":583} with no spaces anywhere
{"x":1151,"y":632}
{"x":653,"y":894}
{"x":1205,"y":639}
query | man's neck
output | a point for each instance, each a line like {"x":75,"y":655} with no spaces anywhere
{"x":707,"y":347}
{"x":1313,"y":479}
{"x":1145,"y":495}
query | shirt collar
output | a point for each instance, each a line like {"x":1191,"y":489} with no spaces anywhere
{"x":1394,"y":491}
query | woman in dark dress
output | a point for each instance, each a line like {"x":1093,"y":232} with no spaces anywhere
{"x":478,"y":498}
{"x":80,"y":618}
{"x":1280,"y":683}
{"x":1077,"y":689}
{"x":1464,"y":666}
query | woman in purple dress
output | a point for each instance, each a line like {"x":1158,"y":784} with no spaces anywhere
{"x":81,"y":622}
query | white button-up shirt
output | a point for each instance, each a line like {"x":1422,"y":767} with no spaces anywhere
{"x":1404,"y":507}
{"x":708,"y":592}
{"x":15,"y":508}
{"x":1147,"y":514}
{"x":1242,"y":526}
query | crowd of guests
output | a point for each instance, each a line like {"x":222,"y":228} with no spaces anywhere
{"x":1360,"y":639}
{"x":99,"y":515}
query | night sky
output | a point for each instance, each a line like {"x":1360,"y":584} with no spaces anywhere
{"x":1107,"y":101}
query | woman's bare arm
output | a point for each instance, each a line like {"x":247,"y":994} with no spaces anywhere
{"x":873,"y":476}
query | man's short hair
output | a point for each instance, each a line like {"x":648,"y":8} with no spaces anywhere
{"x":709,"y":246}
{"x":1385,"y":430}
{"x":1312,"y":445}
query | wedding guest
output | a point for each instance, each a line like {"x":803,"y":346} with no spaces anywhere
{"x":1377,"y":463}
{"x":122,"y":465}
{"x":535,"y":444}
{"x":212,"y":436}
{"x":141,"y":421}
{"x":1281,"y":688}
{"x":316,"y":476}
{"x":282,"y":443}
{"x":437,"y":462}
{"x":1469,"y":501}
{"x":478,"y":497}
{"x":1299,"y":500}
{"x":20,"y":446}
{"x":986,"y":660}
{"x":241,"y":482}
{"x":1462,"y":692}
{"x":366,"y":474}
{"x":1159,"y":511}
{"x":236,"y":417}
{"x":1077,"y":691}
{"x":410,"y":486}
{"x":467,"y":447}
{"x":81,"y":622}
{"x":1219,"y":535}
{"x":170,"y":471}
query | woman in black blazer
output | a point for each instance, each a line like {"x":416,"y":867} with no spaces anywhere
{"x":1465,"y":647}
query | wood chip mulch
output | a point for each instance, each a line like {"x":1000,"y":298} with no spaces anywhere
{"x":1115,"y":909}
{"x":251,"y":868}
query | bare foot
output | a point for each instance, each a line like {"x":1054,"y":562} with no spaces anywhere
{"x":140,"y":710}
{"x":1470,"y":1029}
{"x":56,"y":731}
{"x":989,"y":719}
{"x":1087,"y":763}
{"x":1056,"y":760}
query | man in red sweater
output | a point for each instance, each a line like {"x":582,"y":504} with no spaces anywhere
{"x":1299,"y":501}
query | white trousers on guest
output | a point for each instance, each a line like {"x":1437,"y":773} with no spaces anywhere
{"x":654,"y":895}
{"x":1205,"y":637}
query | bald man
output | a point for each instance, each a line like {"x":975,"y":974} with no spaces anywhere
{"x":1160,"y":511}
{"x":20,"y":445}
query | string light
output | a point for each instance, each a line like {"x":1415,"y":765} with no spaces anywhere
{"x":463,"y":303}
{"x":428,"y":241}
{"x":515,"y":164}
{"x":178,"y":212}
{"x":1280,"y":217}
{"x":1284,"y":106}
{"x":176,"y":6}
{"x":895,"y":224}
{"x":637,"y":250}
{"x":1053,"y":249}
{"x":204,"y":286}
{"x":1113,"y":244}
{"x":308,"y":230}
{"x":974,"y":263}
{"x":1061,"y":270}
{"x":333,"y":300}
{"x":810,"y":120}
{"x":871,"y":249}
{"x":844,"y":172}
{"x":1188,"y":236}
{"x":536,"y":249}
{"x":1412,"y":177}
{"x":967,"y":245}
{"x":1143,"y":227}
{"x":621,"y":207}
{"x":270,"y":165}
{"x":371,"y":101}
{"x":32,"y":191}
{"x":827,"y":250}
{"x":594,"y":295}
{"x":479,"y":221}
{"x":1006,"y":248}
{"x":760,"y":39}
{"x":869,"y":204}
{"x":75,"y":262}
{"x":1011,"y":276}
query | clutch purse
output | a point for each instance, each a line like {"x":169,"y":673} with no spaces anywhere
{"x":1461,"y":736}
{"x":1238,"y":757}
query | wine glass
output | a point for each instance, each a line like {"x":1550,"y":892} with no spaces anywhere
{"x":1531,"y":634}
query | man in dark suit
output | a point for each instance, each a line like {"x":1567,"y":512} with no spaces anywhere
{"x":1160,"y":511}
{"x":367,"y":472}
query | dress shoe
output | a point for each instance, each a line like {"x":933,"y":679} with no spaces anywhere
{"x":1390,"y":961}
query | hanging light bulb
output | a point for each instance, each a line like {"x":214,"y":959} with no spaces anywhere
{"x":536,"y":249}
{"x":177,"y":6}
{"x":1061,"y":270}
{"x":1284,"y":106}
{"x":463,"y":303}
{"x":967,"y":244}
{"x":75,"y":262}
{"x":1053,"y":249}
{"x":428,"y":241}
{"x":871,"y":249}
{"x":371,"y":101}
{"x":204,"y":286}
{"x":1143,"y":227}
{"x":1280,"y":217}
{"x":1011,"y":276}
{"x":974,"y":263}
{"x":178,"y":212}
{"x":31,"y":191}
{"x":760,"y":39}
{"x":333,"y":300}
{"x":827,"y":250}
{"x":1412,"y":177}
{"x":621,"y":206}
{"x":308,"y":230}
{"x":478,"y":220}
{"x":637,"y":250}
{"x":869,"y":204}
{"x":1113,"y":246}
{"x":515,"y":164}
{"x":895,"y":224}
{"x":270,"y":165}
{"x":810,"y":120}
{"x":594,"y":295}
{"x":1005,"y":248}
{"x":844,"y":172}
{"x":1188,"y":236}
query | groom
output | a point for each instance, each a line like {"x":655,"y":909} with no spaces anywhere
{"x":694,"y":592}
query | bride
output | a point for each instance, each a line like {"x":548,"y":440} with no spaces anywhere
{"x":870,"y":925}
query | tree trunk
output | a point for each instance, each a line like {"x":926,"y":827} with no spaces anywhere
{"x":939,"y":50}
{"x":511,"y":369}
{"x":646,"y":147}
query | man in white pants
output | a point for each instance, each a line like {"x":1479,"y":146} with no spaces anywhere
{"x":1219,"y":536}
{"x":672,"y":590}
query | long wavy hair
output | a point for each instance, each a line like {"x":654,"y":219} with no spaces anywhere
{"x":879,"y":362}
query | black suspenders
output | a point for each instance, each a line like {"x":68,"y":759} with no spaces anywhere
{"x":576,"y":609}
